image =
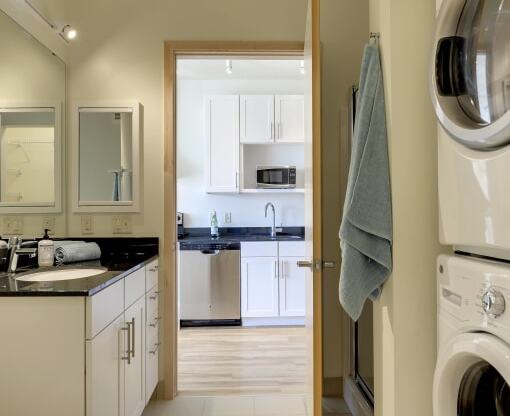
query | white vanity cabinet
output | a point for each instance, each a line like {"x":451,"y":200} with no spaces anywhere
{"x":272,"y":286}
{"x":81,"y":355}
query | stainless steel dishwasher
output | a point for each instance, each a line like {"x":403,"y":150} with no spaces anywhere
{"x":209,"y":284}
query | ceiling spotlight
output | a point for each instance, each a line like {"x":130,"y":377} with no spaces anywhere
{"x":68,"y":32}
{"x":302,"y":67}
{"x":228,"y":67}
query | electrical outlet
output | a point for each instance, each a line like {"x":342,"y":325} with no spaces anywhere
{"x":121,"y":224}
{"x":87,"y":224}
{"x":48,"y":223}
{"x":228,"y":217}
{"x":13,"y":225}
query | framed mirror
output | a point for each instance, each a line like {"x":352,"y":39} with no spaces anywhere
{"x":107,"y":158}
{"x":32,"y":101}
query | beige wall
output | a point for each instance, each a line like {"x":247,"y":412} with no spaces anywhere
{"x":119,"y":55}
{"x":405,"y":316}
{"x":344,"y":31}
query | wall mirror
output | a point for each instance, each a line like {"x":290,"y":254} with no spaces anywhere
{"x":32,"y":98}
{"x":107,"y":155}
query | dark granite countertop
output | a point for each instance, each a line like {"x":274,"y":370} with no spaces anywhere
{"x":118,"y":258}
{"x":239,"y":234}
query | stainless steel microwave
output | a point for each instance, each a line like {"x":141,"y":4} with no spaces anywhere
{"x":276,"y":177}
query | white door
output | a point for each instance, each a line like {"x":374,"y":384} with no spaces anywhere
{"x":292,"y":287}
{"x":134,"y":380}
{"x":257,"y":118}
{"x":222,"y":143}
{"x":289,"y":118}
{"x":259,"y":287}
{"x":105,"y":371}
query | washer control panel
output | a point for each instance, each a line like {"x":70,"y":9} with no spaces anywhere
{"x":493,"y":302}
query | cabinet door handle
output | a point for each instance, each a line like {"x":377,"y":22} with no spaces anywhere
{"x":128,"y":329}
{"x":279,"y":131}
{"x":133,"y":338}
{"x":156,"y":347}
{"x":155,"y":323}
{"x":275,"y":269}
{"x":272,"y":130}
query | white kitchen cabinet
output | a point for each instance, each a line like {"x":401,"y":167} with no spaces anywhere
{"x":272,"y":286}
{"x":257,"y":119}
{"x":134,"y":379}
{"x":152,"y":342}
{"x":259,"y":287}
{"x":289,"y":118}
{"x":292,"y":298}
{"x":222,"y":143}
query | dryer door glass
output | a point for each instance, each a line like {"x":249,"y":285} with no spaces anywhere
{"x":484,"y":32}
{"x":483,"y":391}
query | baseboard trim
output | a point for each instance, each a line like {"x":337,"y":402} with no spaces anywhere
{"x":355,"y":400}
{"x":332,"y":387}
{"x":277,"y":321}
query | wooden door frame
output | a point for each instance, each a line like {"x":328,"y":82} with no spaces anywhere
{"x":167,"y":388}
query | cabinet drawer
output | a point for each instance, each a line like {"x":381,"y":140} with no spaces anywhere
{"x":259,"y":249}
{"x":152,"y":303}
{"x":292,"y":248}
{"x":151,"y":274}
{"x":151,"y":369}
{"x":103,"y":308}
{"x":135,"y":286}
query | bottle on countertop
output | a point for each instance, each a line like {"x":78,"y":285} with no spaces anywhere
{"x":45,"y":250}
{"x":214,"y":225}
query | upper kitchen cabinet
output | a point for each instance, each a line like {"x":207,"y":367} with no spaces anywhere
{"x":289,"y":118}
{"x":270,"y":118}
{"x":257,"y":119}
{"x":222,"y":143}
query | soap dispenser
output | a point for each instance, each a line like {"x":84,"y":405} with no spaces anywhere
{"x":46,"y":250}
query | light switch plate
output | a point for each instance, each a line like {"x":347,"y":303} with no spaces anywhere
{"x":121,"y":224}
{"x":228,"y":218}
{"x":13,"y":225}
{"x":87,"y":224}
{"x":48,"y":222}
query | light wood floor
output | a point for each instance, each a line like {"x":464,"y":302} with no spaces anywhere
{"x":218,"y":361}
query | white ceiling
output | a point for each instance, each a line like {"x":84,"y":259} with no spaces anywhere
{"x":252,"y":69}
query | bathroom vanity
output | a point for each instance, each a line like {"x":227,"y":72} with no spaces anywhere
{"x":85,"y":346}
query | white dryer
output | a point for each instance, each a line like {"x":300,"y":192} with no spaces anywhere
{"x":470,"y":88}
{"x":472,"y":375}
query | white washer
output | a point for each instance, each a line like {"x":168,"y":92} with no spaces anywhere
{"x":470,"y":88}
{"x":472,"y":374}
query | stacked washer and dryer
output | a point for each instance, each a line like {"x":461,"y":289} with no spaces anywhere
{"x":471,"y":94}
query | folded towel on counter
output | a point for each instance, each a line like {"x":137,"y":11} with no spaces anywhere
{"x":72,"y":252}
{"x":366,"y":232}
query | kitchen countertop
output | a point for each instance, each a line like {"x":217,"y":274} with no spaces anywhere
{"x":236,"y":235}
{"x":117,"y":266}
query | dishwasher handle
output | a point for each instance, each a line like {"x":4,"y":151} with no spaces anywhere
{"x":210,"y":252}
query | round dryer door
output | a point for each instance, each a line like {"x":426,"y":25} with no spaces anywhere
{"x":472,"y":377}
{"x":471,"y":72}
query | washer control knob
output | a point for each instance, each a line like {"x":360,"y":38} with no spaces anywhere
{"x":493,"y":303}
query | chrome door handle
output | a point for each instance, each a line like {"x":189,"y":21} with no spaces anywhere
{"x":133,"y":338}
{"x":328,"y":264}
{"x":275,"y":269}
{"x":128,"y":329}
{"x":305,"y":263}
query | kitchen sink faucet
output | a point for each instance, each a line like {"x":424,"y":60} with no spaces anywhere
{"x":273,"y":228}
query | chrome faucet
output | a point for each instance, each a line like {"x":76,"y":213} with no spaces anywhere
{"x":14,"y":245}
{"x":273,"y":228}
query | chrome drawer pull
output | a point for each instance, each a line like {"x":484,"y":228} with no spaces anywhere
{"x":155,"y":350}
{"x":133,"y":338}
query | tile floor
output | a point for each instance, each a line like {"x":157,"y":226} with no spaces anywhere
{"x":241,"y":406}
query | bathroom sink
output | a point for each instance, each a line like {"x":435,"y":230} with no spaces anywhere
{"x":59,"y":275}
